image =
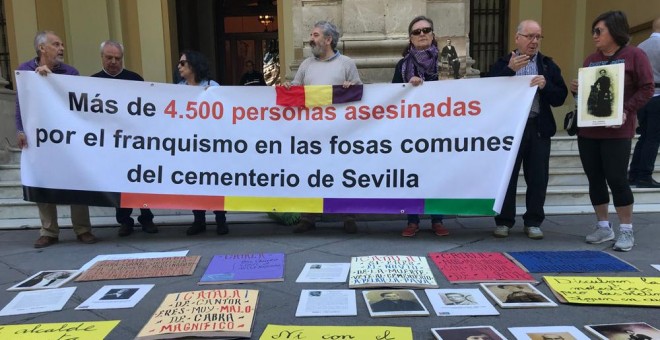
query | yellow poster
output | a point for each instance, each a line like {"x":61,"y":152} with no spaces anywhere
{"x":597,"y":290}
{"x":88,"y":330}
{"x":280,"y":332}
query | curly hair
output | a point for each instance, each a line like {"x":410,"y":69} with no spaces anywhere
{"x":198,"y":64}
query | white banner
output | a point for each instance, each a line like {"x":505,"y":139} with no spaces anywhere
{"x":446,"y":140}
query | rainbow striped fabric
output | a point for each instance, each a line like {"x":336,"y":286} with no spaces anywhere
{"x":317,"y":95}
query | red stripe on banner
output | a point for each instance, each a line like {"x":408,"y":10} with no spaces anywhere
{"x":162,"y":201}
{"x":294,"y":96}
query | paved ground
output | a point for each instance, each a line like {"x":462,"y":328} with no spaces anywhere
{"x":278,"y":301}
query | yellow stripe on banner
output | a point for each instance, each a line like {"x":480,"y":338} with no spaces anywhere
{"x":274,"y":204}
{"x":318,"y":95}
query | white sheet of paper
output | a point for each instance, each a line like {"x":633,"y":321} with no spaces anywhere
{"x":453,"y":302}
{"x":116,"y":297}
{"x":656,"y":266}
{"x":526,"y":333}
{"x":327,"y":302}
{"x":38,"y":301}
{"x":151,"y":255}
{"x":324,"y":272}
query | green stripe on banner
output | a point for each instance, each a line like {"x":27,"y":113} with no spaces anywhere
{"x":457,"y":206}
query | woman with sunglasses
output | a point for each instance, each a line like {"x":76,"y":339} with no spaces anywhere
{"x":605,"y":151}
{"x":419,"y":64}
{"x":194,"y":70}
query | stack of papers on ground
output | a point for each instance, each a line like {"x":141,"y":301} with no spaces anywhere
{"x":455,"y":302}
{"x":46,"y":279}
{"x":324,"y":272}
{"x":238,"y":268}
{"x":38,"y":301}
{"x":581,"y":261}
{"x":479,"y":267}
{"x":220,"y":313}
{"x":390,"y":271}
{"x":327,"y":302}
{"x":116,"y":297}
{"x":140,"y":268}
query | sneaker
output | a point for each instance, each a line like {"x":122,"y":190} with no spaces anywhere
{"x":45,"y":241}
{"x":148,"y":226}
{"x":87,"y":238}
{"x":625,"y":242}
{"x":350,"y":227}
{"x":439,"y":229}
{"x":410,"y":230}
{"x":304,"y":226}
{"x":125,"y":229}
{"x":600,"y":235}
{"x":534,"y":233}
{"x":647,"y":183}
{"x":196,"y":228}
{"x":501,"y":231}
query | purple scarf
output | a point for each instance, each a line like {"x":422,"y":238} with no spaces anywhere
{"x":420,"y":63}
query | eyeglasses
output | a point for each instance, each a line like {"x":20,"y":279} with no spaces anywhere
{"x":425,"y":30}
{"x":597,"y":31}
{"x":183,"y":63}
{"x":532,"y":36}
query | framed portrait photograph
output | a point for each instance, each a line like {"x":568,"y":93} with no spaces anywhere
{"x":600,"y":95}
{"x":624,"y":331}
{"x":116,"y":297}
{"x":394,"y":302}
{"x":548,"y":333}
{"x":516,"y":295}
{"x":456,"y":302}
{"x":467,"y":333}
{"x":46,"y":279}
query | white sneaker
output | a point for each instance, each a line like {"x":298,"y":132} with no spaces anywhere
{"x":501,"y":231}
{"x":534,"y":233}
{"x":600,"y":235}
{"x":625,"y":242}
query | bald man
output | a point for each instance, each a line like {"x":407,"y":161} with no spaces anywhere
{"x":534,"y":151}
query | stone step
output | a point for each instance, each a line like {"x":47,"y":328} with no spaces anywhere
{"x":161,"y":220}
{"x":10,"y":172}
{"x":566,"y":195}
{"x":11,"y":189}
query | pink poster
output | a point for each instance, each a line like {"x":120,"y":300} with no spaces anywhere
{"x":479,"y":267}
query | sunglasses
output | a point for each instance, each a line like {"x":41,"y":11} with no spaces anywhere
{"x":597,"y":31}
{"x":183,"y":63}
{"x":425,"y":30}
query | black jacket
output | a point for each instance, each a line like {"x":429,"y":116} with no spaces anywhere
{"x":553,"y":94}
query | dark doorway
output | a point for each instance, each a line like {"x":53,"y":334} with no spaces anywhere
{"x":489,"y":27}
{"x":228,"y":32}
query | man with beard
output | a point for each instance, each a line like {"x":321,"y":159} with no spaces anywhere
{"x":326,"y":67}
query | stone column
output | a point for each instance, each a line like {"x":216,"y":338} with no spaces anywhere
{"x":374,"y":33}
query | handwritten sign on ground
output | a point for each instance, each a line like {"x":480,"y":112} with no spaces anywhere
{"x":598,"y":290}
{"x":479,"y":267}
{"x":273,"y":332}
{"x":580,"y":261}
{"x":215,"y":313}
{"x":237,"y":268}
{"x":390,"y":271}
{"x":140,"y":268}
{"x":91,"y":330}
